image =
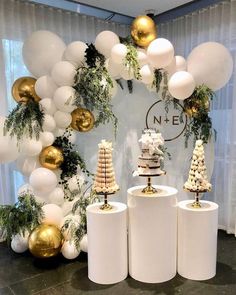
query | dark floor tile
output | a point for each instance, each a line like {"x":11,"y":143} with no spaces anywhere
{"x":6,"y":291}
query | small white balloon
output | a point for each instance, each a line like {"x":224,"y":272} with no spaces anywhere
{"x":25,"y":188}
{"x":113,"y":68}
{"x":45,"y":86}
{"x":72,"y":221}
{"x":69,"y":250}
{"x":52,"y":214}
{"x":181,"y":85}
{"x":48,"y":106}
{"x":147,"y":74}
{"x":118,"y":53}
{"x":46,"y":138}
{"x":142,"y":57}
{"x":105,"y":41}
{"x":43,"y":180}
{"x":181,"y":63}
{"x":49,"y":123}
{"x":19,"y":243}
{"x":31,"y":147}
{"x":160,"y":53}
{"x":59,"y":132}
{"x":84,"y":244}
{"x":26,"y":165}
{"x":75,"y":53}
{"x":63,"y":73}
{"x":62,"y":119}
{"x":64,"y":98}
{"x":171,"y":68}
{"x":127,"y":73}
{"x":57,"y":196}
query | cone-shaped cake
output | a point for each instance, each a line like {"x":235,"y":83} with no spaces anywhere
{"x":105,"y":182}
{"x":197,"y":179}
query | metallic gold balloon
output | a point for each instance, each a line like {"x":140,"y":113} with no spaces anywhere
{"x":82,"y":120}
{"x":23,"y":90}
{"x":45,"y":241}
{"x":143,"y":30}
{"x":51,"y":157}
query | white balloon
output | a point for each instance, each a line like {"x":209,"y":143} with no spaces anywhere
{"x":147,"y":74}
{"x":8,"y":149}
{"x":118,"y":53}
{"x":48,"y":106}
{"x":211,"y":64}
{"x":113,"y":68}
{"x":46,"y":138}
{"x":142,"y":57}
{"x":59,"y":132}
{"x":105,"y":41}
{"x":69,"y":250}
{"x":64,"y":98}
{"x":41,"y":51}
{"x":75,"y":182}
{"x":43,"y":180}
{"x":57,"y":196}
{"x":45,"y":86}
{"x":171,"y":68}
{"x":84,"y":244}
{"x":25,"y":188}
{"x":181,"y":63}
{"x":75,"y":53}
{"x":49,"y":123}
{"x":126,"y":73}
{"x":31,"y":147}
{"x":63,"y":73}
{"x":63,"y":120}
{"x":52,"y":214}
{"x":181,"y":85}
{"x":74,"y":221}
{"x":26,"y":165}
{"x":19,"y":243}
{"x":160,"y":53}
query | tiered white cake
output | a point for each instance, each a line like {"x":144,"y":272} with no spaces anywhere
{"x":105,"y":177}
{"x":151,"y":160}
{"x":197,"y":179}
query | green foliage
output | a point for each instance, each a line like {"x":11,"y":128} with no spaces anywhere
{"x":131,"y":61}
{"x":130,"y":86}
{"x":24,"y":216}
{"x":25,"y":120}
{"x":157,"y":79}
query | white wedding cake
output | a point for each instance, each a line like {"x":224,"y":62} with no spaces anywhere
{"x":151,"y":160}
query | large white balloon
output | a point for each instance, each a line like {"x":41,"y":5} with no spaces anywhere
{"x":45,"y":86}
{"x":160,"y":53}
{"x":57,"y":196}
{"x":52,"y":214}
{"x":180,"y":63}
{"x":43,"y":180}
{"x":69,"y":250}
{"x":147,"y":74}
{"x":19,"y":243}
{"x":31,"y":147}
{"x":63,"y":73}
{"x":26,"y":165}
{"x":41,"y":51}
{"x":8,"y":149}
{"x":64,"y":99}
{"x":181,"y":85}
{"x":62,"y":119}
{"x":46,"y":138}
{"x":118,"y":53}
{"x":48,"y":106}
{"x":105,"y":41}
{"x":75,"y":53}
{"x":211,"y":64}
{"x":49,"y":123}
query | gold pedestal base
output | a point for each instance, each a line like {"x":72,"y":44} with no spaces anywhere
{"x":149,"y":189}
{"x":106,"y":207}
{"x":196,"y":203}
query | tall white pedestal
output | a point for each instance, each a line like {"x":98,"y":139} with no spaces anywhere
{"x":197,"y":240}
{"x":107,"y":243}
{"x":152,"y":234}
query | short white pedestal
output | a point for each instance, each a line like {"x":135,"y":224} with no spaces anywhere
{"x":107,"y":243}
{"x":152,"y":234}
{"x":197,"y":240}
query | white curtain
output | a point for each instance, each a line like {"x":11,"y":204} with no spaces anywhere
{"x":215,"y":23}
{"x":18,"y":19}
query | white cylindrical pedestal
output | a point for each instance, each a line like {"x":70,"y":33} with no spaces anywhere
{"x":197,"y":240}
{"x":152,"y":234}
{"x":107,"y":243}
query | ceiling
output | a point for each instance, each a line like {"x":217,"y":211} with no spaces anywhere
{"x":134,"y":7}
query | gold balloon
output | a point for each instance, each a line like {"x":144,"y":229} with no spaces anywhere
{"x":45,"y":241}
{"x":23,"y":90}
{"x":51,"y":157}
{"x":143,"y":30}
{"x":82,"y":120}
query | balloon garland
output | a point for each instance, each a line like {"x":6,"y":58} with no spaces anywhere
{"x":73,"y":90}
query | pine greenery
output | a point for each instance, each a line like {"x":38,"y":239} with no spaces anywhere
{"x":131,"y":61}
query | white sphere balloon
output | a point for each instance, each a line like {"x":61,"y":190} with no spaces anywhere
{"x":25,"y":188}
{"x":142,"y":57}
{"x":62,"y":119}
{"x":160,"y":53}
{"x":19,"y":243}
{"x":84,"y":244}
{"x":211,"y":64}
{"x":105,"y":41}
{"x":41,"y":51}
{"x":26,"y":165}
{"x":8,"y":149}
{"x":45,"y":86}
{"x":75,"y":182}
{"x":31,"y":147}
{"x":48,"y":106}
{"x":126,"y":73}
{"x":72,"y":221}
{"x":63,"y":73}
{"x":59,"y":132}
{"x":171,"y":68}
{"x":69,"y":250}
{"x":64,"y":99}
{"x":181,"y":85}
{"x":49,"y":123}
{"x":180,"y":63}
{"x":147,"y":74}
{"x":118,"y":53}
{"x":75,"y":53}
{"x":46,"y":138}
{"x":52,"y":214}
{"x":113,"y":68}
{"x":43,"y":180}
{"x":57,"y":196}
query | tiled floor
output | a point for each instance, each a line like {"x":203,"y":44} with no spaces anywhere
{"x":23,"y":275}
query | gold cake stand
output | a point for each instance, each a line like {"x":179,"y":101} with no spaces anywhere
{"x":149,"y":189}
{"x":106,"y":206}
{"x":196,"y":204}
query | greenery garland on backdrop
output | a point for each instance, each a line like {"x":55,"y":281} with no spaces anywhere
{"x":73,"y":91}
